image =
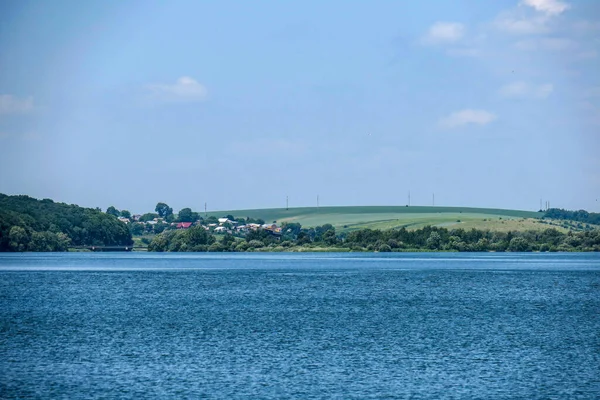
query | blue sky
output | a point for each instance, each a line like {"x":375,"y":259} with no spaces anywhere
{"x":240,"y":104}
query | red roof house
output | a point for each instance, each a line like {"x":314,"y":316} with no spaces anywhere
{"x":184,"y":225}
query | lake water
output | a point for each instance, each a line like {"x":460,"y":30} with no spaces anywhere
{"x":419,"y":326}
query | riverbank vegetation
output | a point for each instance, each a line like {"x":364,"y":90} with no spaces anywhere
{"x":325,"y":238}
{"x":28,"y":224}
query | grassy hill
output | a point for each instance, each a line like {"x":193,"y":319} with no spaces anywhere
{"x":388,"y":217}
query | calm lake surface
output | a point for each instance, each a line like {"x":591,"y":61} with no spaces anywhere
{"x":420,"y":326}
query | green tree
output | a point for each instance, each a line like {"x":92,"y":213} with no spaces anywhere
{"x":148,"y":217}
{"x":518,"y":244}
{"x":113,"y":211}
{"x":329,"y":237}
{"x":136,"y":228}
{"x":18,"y":239}
{"x":434,"y":240}
{"x":163,"y":210}
{"x":186,"y":215}
{"x":125,"y":214}
{"x":227,"y":240}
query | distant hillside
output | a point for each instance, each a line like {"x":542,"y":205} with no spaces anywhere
{"x":379,"y":217}
{"x":28,"y":224}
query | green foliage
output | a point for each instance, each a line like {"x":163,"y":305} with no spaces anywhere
{"x":163,"y":210}
{"x":192,"y":239}
{"x":113,"y":211}
{"x":18,"y":239}
{"x":125,"y":214}
{"x":137,"y":228}
{"x":148,"y":217}
{"x":580,"y":216}
{"x":28,"y":224}
{"x":187,"y":215}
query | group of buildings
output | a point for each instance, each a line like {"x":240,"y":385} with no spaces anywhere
{"x":223,"y":225}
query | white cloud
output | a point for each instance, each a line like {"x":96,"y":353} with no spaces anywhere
{"x":550,"y":7}
{"x":467,"y":116}
{"x":517,"y":24}
{"x":444,"y":32}
{"x":12,"y":105}
{"x":551,"y":44}
{"x":524,"y":21}
{"x":184,"y":89}
{"x":524,"y":89}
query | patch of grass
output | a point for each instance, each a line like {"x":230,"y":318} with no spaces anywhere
{"x":377,"y":217}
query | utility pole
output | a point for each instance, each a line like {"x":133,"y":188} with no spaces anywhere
{"x":433,"y":201}
{"x":317,"y":201}
{"x":409,"y":198}
{"x":286,"y":203}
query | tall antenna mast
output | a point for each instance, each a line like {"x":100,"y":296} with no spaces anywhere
{"x":317,"y":201}
{"x":286,"y":203}
{"x":433,"y":200}
{"x":409,"y":197}
{"x":205,"y":213}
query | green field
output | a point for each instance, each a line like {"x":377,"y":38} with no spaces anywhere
{"x":389,"y":217}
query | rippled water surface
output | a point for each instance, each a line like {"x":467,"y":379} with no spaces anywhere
{"x":300,"y":326}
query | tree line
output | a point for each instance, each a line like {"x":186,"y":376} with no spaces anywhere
{"x":325,"y":237}
{"x":28,"y":224}
{"x":579,"y":216}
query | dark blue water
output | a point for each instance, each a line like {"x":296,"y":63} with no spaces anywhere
{"x":486,"y":326}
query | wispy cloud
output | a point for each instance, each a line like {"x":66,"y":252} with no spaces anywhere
{"x":518,"y":24}
{"x":184,"y":89}
{"x":533,"y":17}
{"x":13,"y":105}
{"x":551,"y":44}
{"x":444,"y":32}
{"x":550,"y":7}
{"x":467,"y":117}
{"x":526,"y":90}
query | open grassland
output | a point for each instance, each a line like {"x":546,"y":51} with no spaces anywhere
{"x":388,"y":217}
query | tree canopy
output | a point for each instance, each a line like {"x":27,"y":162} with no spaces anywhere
{"x":28,"y":224}
{"x":163,"y":210}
